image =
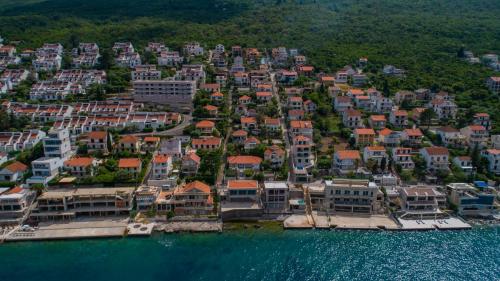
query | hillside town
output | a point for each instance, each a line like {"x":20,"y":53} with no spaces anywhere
{"x":126,"y":141}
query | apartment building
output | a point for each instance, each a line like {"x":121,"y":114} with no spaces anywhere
{"x":177,"y":95}
{"x":352,"y":196}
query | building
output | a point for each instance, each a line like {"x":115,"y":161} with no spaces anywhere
{"x":240,"y":164}
{"x":172,"y":147}
{"x":162,"y":166}
{"x":302,"y":152}
{"x":243,"y":191}
{"x":170,"y":58}
{"x":451,"y":137}
{"x":276,"y":195}
{"x":53,"y":90}
{"x":399,"y":118}
{"x":192,"y":198}
{"x":364,"y":137}
{"x":421,"y":201}
{"x":352,"y":196}
{"x":81,"y":166}
{"x":493,"y":157}
{"x":275,"y":155}
{"x":129,"y":143}
{"x":352,"y":119}
{"x":206,"y":127}
{"x":304,"y":128}
{"x":464,"y":163}
{"x":178,"y":95}
{"x":412,"y":137}
{"x":130,"y":166}
{"x":66,"y":204}
{"x":15,"y":141}
{"x":146,"y":72}
{"x":470,"y":201}
{"x":493,"y":83}
{"x":145,"y":197}
{"x":389,"y":138}
{"x":210,"y":143}
{"x":97,"y":141}
{"x":482,"y":119}
{"x":44,"y":170}
{"x":375,"y":153}
{"x":402,"y":157}
{"x":377,"y":121}
{"x":346,"y":160}
{"x":14,"y":205}
{"x":13,"y":172}
{"x":190,"y":164}
{"x":476,"y":135}
{"x":57,"y":144}
{"x":436,"y":158}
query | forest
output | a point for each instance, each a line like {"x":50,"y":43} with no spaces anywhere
{"x":422,"y":36}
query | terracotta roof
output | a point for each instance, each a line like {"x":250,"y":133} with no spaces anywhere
{"x":436,"y":150}
{"x":151,"y":139}
{"x":375,"y":148}
{"x":295,"y":99}
{"x":296,"y":112}
{"x":205,"y":124}
{"x":378,"y":118}
{"x":160,"y":158}
{"x":353,"y":113}
{"x":206,"y":141}
{"x":192,"y":156}
{"x":210,"y":107}
{"x":239,"y":133}
{"x":272,"y":121}
{"x":129,"y":163}
{"x":493,"y":151}
{"x":198,"y":185}
{"x":400,"y":113}
{"x":129,"y":139}
{"x":274,"y":149}
{"x":477,"y":128}
{"x":301,"y":124}
{"x":328,"y":79}
{"x":98,"y":135}
{"x":242,"y":184}
{"x":252,"y":140}
{"x":79,"y":162}
{"x":245,"y":97}
{"x":301,"y":138}
{"x":448,"y":129}
{"x":348,"y":154}
{"x":16,"y":167}
{"x":364,"y":132}
{"x":264,"y":94}
{"x":244,"y":159}
{"x":414,"y":132}
{"x":16,"y":189}
{"x":248,"y":120}
{"x":481,"y":114}
{"x":217,"y":94}
{"x":356,"y":92}
{"x":306,"y":68}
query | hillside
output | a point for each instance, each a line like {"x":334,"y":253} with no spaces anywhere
{"x":420,"y":36}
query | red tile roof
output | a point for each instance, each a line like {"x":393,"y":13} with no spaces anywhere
{"x":414,"y":132}
{"x":244,"y":160}
{"x":16,"y":167}
{"x":79,"y":162}
{"x":364,"y":132}
{"x":348,"y":154}
{"x":436,"y":150}
{"x":129,"y":163}
{"x":129,"y":139}
{"x":205,"y":124}
{"x":242,"y":184}
{"x":161,"y":158}
{"x":98,"y":135}
{"x":196,"y":185}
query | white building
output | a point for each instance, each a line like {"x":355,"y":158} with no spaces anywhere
{"x":57,"y":144}
{"x":276,"y":195}
{"x":178,"y":95}
{"x":352,"y":196}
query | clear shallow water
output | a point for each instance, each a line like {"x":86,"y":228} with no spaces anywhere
{"x":261,"y":255}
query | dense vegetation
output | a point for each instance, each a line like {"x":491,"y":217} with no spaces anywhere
{"x":422,"y":36}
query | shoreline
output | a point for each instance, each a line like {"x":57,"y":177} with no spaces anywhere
{"x":255,"y":226}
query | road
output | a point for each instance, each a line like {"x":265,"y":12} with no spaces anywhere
{"x":175,"y":131}
{"x":220,"y":174}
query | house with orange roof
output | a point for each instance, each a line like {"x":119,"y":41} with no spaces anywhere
{"x":377,"y":153}
{"x":399,"y":118}
{"x":251,"y":143}
{"x":97,"y":141}
{"x":194,"y":198}
{"x":306,"y":70}
{"x":248,"y":123}
{"x":412,"y":137}
{"x":129,"y":143}
{"x":210,"y":143}
{"x":294,"y":114}
{"x":364,"y":136}
{"x":302,"y":152}
{"x":436,"y":158}
{"x":388,"y":137}
{"x":190,"y":164}
{"x":150,"y":144}
{"x":334,"y":91}
{"x":310,"y":106}
{"x":287,"y":77}
{"x":241,"y":79}
{"x":131,"y":166}
{"x":327,"y":81}
{"x":242,"y":163}
{"x":275,"y":155}
{"x":13,"y":172}
{"x":81,"y":166}
{"x":272,"y":124}
{"x":363,"y":102}
{"x":15,"y":205}
{"x":217,"y":97}
{"x":493,"y":157}
{"x":239,"y":136}
{"x":245,"y":100}
{"x":264,"y":96}
{"x":295,"y":103}
{"x":346,"y":161}
{"x":206,"y":127}
{"x":476,"y":135}
{"x":482,"y":119}
{"x":162,"y":166}
{"x":212,"y":110}
{"x":402,"y":157}
{"x":352,"y":119}
{"x":377,"y":121}
{"x":210,"y":87}
{"x":299,"y":127}
{"x":353,"y":92}
{"x":264,"y":87}
{"x":464,"y":163}
{"x":243,"y":191}
{"x":451,"y":137}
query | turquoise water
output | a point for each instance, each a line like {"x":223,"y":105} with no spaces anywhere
{"x":262,"y":255}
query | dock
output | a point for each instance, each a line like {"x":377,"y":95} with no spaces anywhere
{"x":450,"y":223}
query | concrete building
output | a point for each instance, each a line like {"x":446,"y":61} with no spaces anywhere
{"x":178,"y":95}
{"x":45,"y":169}
{"x":14,"y":205}
{"x":436,"y":158}
{"x":67,"y":204}
{"x":352,"y":196}
{"x":57,"y":144}
{"x":470,"y":201}
{"x":276,"y":195}
{"x":243,"y":191}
